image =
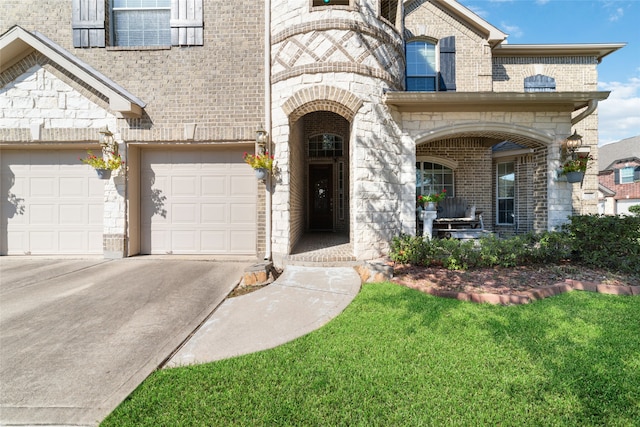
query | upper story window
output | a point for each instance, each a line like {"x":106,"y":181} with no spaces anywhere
{"x":317,"y":3}
{"x":422,"y":66}
{"x":539,"y":83}
{"x":326,"y":145}
{"x":431,"y":67}
{"x":141,"y":22}
{"x":628,"y":175}
{"x":389,"y":10}
{"x":137,"y":22}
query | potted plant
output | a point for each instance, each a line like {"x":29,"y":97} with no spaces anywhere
{"x":103,"y":165}
{"x":575,"y":167}
{"x":261,"y":163}
{"x":431,"y":200}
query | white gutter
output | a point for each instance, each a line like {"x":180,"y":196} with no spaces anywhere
{"x":267,"y":122}
{"x":591,"y":107}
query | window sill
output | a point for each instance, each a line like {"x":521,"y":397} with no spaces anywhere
{"x":137,"y":48}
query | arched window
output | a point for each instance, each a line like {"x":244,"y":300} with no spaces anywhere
{"x":432,"y":178}
{"x":539,"y":83}
{"x":422,"y":68}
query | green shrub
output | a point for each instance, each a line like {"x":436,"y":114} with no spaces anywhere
{"x":611,"y":242}
{"x":635,"y":209}
{"x":489,"y":251}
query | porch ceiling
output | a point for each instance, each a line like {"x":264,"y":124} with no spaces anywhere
{"x":492,"y":101}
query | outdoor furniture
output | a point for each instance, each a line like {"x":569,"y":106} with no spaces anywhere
{"x":457,"y":217}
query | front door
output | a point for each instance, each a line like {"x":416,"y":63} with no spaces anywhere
{"x":321,"y":197}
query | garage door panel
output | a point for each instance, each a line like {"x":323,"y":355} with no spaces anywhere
{"x":214,"y":241}
{"x":96,"y":190}
{"x":184,"y":213}
{"x":184,"y":241}
{"x":50,"y":209}
{"x":184,"y":186}
{"x":242,"y":213}
{"x":213,"y":213}
{"x":214,"y":186}
{"x":44,"y":186}
{"x":42,"y":242}
{"x":242,"y":185}
{"x":71,"y":239}
{"x":43,"y":214}
{"x":72,"y":187}
{"x":95,"y":212}
{"x":197,"y":192}
{"x":242,"y":241}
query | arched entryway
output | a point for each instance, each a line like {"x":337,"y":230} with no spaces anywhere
{"x":319,"y":179}
{"x":500,"y":169}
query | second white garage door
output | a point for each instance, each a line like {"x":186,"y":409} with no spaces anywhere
{"x":200,"y":201}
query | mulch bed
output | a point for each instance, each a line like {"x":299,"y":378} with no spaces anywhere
{"x":515,"y":285}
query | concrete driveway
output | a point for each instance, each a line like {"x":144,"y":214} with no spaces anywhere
{"x":78,"y":336}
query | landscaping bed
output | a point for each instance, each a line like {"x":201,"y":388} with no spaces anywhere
{"x":506,"y":280}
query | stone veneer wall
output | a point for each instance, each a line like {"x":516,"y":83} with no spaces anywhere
{"x":340,"y":60}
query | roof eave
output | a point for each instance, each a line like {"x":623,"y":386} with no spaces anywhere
{"x":492,"y":101}
{"x":599,"y":50}
{"x":16,"y":43}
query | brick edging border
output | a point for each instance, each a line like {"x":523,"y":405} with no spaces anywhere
{"x":529,"y":296}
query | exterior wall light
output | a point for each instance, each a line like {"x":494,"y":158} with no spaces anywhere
{"x":574,"y":142}
{"x":261,"y":139}
{"x":108,"y":142}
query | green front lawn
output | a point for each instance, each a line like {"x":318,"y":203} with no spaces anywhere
{"x":398,"y":357}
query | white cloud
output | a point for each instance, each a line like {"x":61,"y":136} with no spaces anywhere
{"x":478,"y":11}
{"x":616,"y":14}
{"x":619,"y":115}
{"x":542,"y":2}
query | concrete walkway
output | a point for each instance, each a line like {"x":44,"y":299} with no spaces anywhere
{"x":298,"y":302}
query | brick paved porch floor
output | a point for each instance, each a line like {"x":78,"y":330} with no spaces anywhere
{"x":322,"y":247}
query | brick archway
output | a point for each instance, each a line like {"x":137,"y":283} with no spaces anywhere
{"x":322,"y":98}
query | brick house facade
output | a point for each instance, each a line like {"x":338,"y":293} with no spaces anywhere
{"x":327,"y":81}
{"x":619,"y":176}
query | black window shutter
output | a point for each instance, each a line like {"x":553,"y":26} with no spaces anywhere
{"x":447,"y":75}
{"x":616,"y":176}
{"x":87,"y":22}
{"x":186,"y":23}
{"x":636,"y":174}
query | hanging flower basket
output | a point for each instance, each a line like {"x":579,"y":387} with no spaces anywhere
{"x":573,"y":177}
{"x":103,"y":173}
{"x":261,"y":173}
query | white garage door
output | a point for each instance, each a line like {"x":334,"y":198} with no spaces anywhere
{"x":51,"y":204}
{"x":200,"y":201}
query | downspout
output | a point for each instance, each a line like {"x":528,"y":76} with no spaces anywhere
{"x":267,"y":123}
{"x":593,"y":104}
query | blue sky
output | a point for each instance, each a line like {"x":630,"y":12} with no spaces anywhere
{"x":582,"y":21}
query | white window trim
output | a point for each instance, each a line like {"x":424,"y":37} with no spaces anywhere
{"x":436,"y":44}
{"x":498,"y":198}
